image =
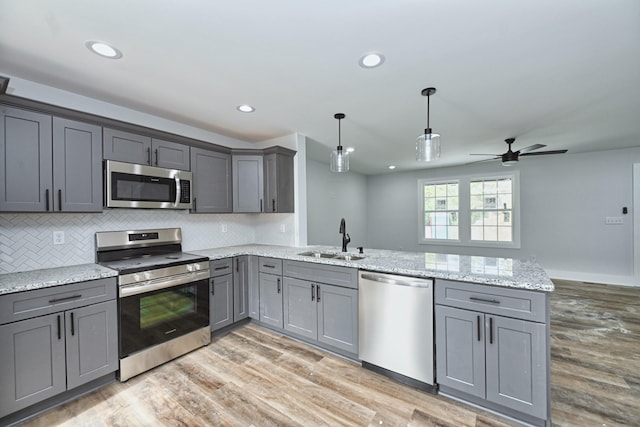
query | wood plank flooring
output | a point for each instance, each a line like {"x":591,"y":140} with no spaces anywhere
{"x":255,"y":377}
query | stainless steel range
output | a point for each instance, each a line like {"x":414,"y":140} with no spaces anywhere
{"x":163,"y":296}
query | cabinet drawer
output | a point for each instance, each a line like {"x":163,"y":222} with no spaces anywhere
{"x":24,"y":305}
{"x":509,"y":302}
{"x":271,"y":266}
{"x":220,"y":267}
{"x":330,"y":274}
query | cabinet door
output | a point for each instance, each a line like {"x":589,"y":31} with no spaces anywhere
{"x":300,"y":308}
{"x":248,"y":184}
{"x":460,"y":352}
{"x":254,"y":287}
{"x":33,"y":362}
{"x":91,"y":342}
{"x":77,"y":166}
{"x":271,"y":299}
{"x":338,"y":317}
{"x":241,"y":288}
{"x":211,"y":181}
{"x":271,"y":183}
{"x":25,"y":157}
{"x":126,"y":147}
{"x":278,"y":187}
{"x":171,"y":155}
{"x":516,"y":364}
{"x":221,"y":306}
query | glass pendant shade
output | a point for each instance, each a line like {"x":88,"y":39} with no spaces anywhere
{"x":339,"y":160}
{"x":428,"y":146}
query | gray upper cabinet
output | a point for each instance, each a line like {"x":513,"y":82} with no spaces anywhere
{"x":26,"y":156}
{"x":212,"y":184}
{"x":126,"y":147}
{"x":171,"y":155}
{"x":77,"y":166}
{"x":51,"y":164}
{"x":241,"y":280}
{"x":133,"y":148}
{"x":278,"y":180}
{"x":248,"y":186}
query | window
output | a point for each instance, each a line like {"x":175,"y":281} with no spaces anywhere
{"x":440,"y":201}
{"x":470,"y":211}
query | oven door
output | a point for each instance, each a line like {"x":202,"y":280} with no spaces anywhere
{"x":157,"y":316}
{"x":138,"y":186}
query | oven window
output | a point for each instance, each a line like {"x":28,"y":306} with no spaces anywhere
{"x":167,"y":306}
{"x":142,"y":188}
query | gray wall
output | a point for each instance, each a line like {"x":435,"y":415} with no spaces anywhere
{"x":564,"y":202}
{"x":330,"y":197}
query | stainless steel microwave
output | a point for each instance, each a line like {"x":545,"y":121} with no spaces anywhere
{"x":130,"y":185}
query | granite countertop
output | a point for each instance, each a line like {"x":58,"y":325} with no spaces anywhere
{"x":48,"y":277}
{"x":505,"y":272}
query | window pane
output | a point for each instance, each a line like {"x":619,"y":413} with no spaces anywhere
{"x":476,"y":188}
{"x":491,"y":218}
{"x":441,"y":210}
{"x":429,"y":204}
{"x":441,"y":190}
{"x":441,"y":232}
{"x":477,"y":202}
{"x":429,"y":218}
{"x":491,"y":233}
{"x":452,"y":189}
{"x":504,"y":218}
{"x":453,"y":233}
{"x":453,"y":218}
{"x":505,"y":234}
{"x":490,"y":187}
{"x":476,"y":233}
{"x":504,"y":186}
{"x":453,"y":203}
{"x":429,"y":191}
{"x":504,"y":201}
{"x":476,"y":218}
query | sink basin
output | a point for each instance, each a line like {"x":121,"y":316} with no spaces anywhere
{"x":344,"y":257}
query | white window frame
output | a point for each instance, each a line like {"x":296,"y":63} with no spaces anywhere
{"x":464,"y":211}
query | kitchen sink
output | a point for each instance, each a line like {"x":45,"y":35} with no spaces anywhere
{"x":340,"y":256}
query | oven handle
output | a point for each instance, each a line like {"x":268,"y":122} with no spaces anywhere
{"x":177,"y":202}
{"x":161,"y":283}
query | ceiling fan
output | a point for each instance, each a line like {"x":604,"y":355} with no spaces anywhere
{"x":511,"y":157}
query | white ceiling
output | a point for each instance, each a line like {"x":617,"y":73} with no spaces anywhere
{"x":565,"y":73}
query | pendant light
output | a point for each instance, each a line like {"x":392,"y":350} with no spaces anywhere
{"x":428,"y":144}
{"x":339,"y":157}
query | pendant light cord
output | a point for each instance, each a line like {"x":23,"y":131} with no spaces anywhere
{"x":339,"y":134}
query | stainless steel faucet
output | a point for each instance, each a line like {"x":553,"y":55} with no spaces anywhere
{"x":345,"y":237}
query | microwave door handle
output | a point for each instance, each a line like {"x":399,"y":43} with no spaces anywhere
{"x":177,"y":178}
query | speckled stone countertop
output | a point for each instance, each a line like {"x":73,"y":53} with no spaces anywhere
{"x":505,"y":272}
{"x":48,"y":277}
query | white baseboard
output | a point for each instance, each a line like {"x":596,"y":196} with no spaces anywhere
{"x":606,"y":279}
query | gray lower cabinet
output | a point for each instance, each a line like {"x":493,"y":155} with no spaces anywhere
{"x":271,"y":299}
{"x":221,"y":304}
{"x":241,"y":280}
{"x":248,"y":187}
{"x":143,"y":150}
{"x":278,"y":180}
{"x":50,"y":164}
{"x":46,"y":355}
{"x":254,"y":287}
{"x":212,"y":181}
{"x":486,"y":350}
{"x":229,"y":287}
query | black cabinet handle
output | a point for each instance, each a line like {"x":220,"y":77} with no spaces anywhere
{"x":73,"y":326}
{"x":72,"y":297}
{"x":261,"y":205}
{"x":479,"y":328}
{"x":59,"y":199}
{"x":221,"y":268}
{"x":313,"y":292}
{"x":59,"y":328}
{"x":237,"y":265}
{"x":491,"y":330}
{"x":156,"y":153}
{"x":268,"y":266}
{"x":490,"y":301}
{"x":213,"y":287}
{"x":46,"y":196}
{"x":194,"y":205}
{"x":148,"y":156}
{"x":278,"y":285}
{"x":273,"y":203}
{"x":318,"y":293}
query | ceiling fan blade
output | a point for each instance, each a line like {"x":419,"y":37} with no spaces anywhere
{"x":541,"y":153}
{"x":482,"y":161}
{"x":484,"y":154}
{"x":531,"y":148}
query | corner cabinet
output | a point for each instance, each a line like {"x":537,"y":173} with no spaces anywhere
{"x":248,"y":187}
{"x":143,"y":150}
{"x":229,"y":287}
{"x":279,"y":180}
{"x":212,"y":181}
{"x":51,"y":164}
{"x":321,"y":304}
{"x":56,"y":339}
{"x":492,"y":348}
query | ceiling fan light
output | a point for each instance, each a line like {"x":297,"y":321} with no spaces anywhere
{"x":428,"y":146}
{"x":509,"y":162}
{"x":339,"y":160}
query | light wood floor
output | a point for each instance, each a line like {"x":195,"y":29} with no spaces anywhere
{"x":254,"y":377}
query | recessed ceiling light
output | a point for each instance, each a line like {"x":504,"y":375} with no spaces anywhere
{"x":350,"y":149}
{"x":103,"y":49}
{"x":246,"y":108}
{"x":392,"y":167}
{"x":371,"y":60}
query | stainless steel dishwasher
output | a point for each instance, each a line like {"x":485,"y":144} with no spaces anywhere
{"x":396,"y":327}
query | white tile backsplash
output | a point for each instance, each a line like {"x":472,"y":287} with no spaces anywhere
{"x":26,"y":240}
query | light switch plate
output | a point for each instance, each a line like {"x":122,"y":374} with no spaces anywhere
{"x":58,"y":237}
{"x":614,"y":220}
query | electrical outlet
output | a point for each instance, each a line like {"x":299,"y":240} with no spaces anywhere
{"x":614,"y":220}
{"x":223,"y":228}
{"x":58,"y":237}
{"x":282,"y":228}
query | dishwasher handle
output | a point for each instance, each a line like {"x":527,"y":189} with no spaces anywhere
{"x":393,"y":280}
